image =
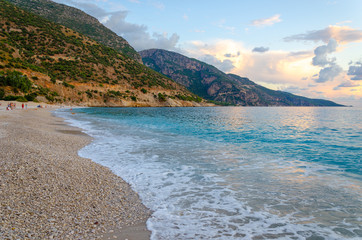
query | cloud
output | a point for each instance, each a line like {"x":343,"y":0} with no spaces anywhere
{"x":321,"y":52}
{"x":223,"y":65}
{"x":330,"y":69}
{"x":222,"y":24}
{"x":271,"y":68}
{"x":342,"y":34}
{"x":355,"y":71}
{"x":90,"y":8}
{"x":260,"y":49}
{"x":199,"y":31}
{"x":344,"y":22}
{"x":293,"y":89}
{"x":277,"y":69}
{"x":301,"y":54}
{"x":346,"y":85}
{"x":230,"y":55}
{"x":158,"y":5}
{"x":329,"y":73}
{"x":266,"y":21}
{"x":137,"y":35}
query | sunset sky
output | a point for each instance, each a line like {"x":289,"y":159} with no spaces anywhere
{"x":309,"y":48}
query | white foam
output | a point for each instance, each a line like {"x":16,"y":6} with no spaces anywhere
{"x":203,"y":190}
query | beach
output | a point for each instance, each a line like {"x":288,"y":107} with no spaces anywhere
{"x":48,"y":192}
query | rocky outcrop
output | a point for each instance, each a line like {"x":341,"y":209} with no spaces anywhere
{"x":212,"y":84}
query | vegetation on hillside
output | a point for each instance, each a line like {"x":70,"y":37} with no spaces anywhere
{"x":53,"y":56}
{"x":79,"y":21}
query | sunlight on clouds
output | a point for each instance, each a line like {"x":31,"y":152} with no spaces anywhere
{"x":278,"y":70}
{"x":342,"y":34}
{"x":268,"y":67}
{"x":266,"y":21}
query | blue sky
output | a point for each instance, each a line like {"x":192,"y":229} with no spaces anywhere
{"x":310,"y":48}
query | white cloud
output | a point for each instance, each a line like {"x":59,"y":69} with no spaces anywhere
{"x":222,"y":24}
{"x":266,"y":21}
{"x":137,"y":35}
{"x":158,"y":5}
{"x":90,"y":8}
{"x":199,"y":31}
{"x":343,"y":22}
{"x":223,"y":65}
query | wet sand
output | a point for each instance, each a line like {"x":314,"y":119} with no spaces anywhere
{"x":48,"y":192}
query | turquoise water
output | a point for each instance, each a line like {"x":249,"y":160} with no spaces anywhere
{"x":235,"y":172}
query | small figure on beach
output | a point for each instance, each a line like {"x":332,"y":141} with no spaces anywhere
{"x":11,"y":106}
{"x":22,"y":106}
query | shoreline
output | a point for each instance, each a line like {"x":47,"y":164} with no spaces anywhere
{"x":49,"y":191}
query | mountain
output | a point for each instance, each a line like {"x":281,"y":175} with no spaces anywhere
{"x":212,"y":84}
{"x":41,"y":60}
{"x":80,"y":22}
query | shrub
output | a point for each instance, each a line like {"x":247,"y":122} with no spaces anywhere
{"x":21,"y":99}
{"x":133,"y":98}
{"x":68,"y":85}
{"x":161,"y":97}
{"x":31,"y":96}
{"x":89,"y":93}
{"x":143,"y":90}
{"x":50,"y":98}
{"x":11,"y":98}
{"x":15,"y":79}
{"x":2,"y":93}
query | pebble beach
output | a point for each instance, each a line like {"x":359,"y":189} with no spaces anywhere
{"x":48,"y":192}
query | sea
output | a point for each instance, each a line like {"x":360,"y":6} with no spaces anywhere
{"x":235,"y":172}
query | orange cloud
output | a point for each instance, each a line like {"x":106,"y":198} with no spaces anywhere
{"x":279,"y":70}
{"x":343,"y":35}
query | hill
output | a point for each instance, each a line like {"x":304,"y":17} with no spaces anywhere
{"x":80,"y":22}
{"x":45,"y":61}
{"x":212,"y":84}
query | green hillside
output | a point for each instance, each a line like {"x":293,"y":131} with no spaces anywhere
{"x":66,"y":66}
{"x":79,"y":21}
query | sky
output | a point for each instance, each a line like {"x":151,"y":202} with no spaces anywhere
{"x":309,"y":48}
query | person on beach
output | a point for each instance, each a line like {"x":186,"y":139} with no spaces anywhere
{"x":22,"y":106}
